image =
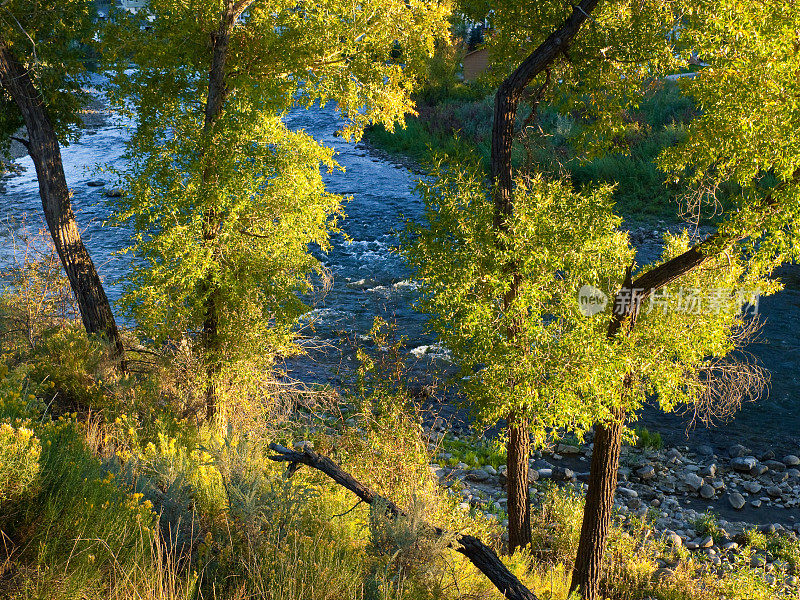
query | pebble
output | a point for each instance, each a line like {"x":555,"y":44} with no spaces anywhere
{"x":706,"y":491}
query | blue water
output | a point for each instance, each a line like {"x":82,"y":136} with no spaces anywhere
{"x":369,"y":279}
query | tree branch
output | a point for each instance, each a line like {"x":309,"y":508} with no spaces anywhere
{"x":480,"y":555}
{"x":22,"y":141}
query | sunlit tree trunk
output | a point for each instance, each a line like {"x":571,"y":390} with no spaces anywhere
{"x":519,"y":502}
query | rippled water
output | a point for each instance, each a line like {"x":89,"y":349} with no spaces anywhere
{"x":370,"y":279}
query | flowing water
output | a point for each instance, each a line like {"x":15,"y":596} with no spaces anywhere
{"x":370,"y":279}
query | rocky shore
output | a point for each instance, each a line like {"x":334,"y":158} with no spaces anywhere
{"x":704,"y":500}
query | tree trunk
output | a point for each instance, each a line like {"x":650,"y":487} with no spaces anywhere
{"x":608,"y":436}
{"x":518,"y":451}
{"x":506,"y":105}
{"x":215,"y":102}
{"x":45,"y":152}
{"x":480,"y":555}
{"x":597,"y":512}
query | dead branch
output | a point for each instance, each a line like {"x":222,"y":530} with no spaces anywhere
{"x":478,"y":553}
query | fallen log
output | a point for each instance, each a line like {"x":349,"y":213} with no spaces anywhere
{"x":478,"y":553}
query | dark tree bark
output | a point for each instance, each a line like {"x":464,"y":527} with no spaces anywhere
{"x":518,"y":451}
{"x":587,"y":572}
{"x":507,"y":100}
{"x":45,"y":152}
{"x":597,"y":512}
{"x":478,"y":553}
{"x":215,"y":102}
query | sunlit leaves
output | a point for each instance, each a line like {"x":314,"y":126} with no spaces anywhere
{"x":233,"y":206}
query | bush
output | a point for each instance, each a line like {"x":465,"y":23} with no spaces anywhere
{"x":76,"y":368}
{"x":19,"y":462}
{"x":646,"y":439}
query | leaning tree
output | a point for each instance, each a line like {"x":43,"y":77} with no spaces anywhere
{"x":42,"y":69}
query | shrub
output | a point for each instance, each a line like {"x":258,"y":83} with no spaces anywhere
{"x":646,"y":439}
{"x":19,"y":462}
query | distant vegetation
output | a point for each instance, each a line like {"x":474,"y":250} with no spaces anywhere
{"x":460,"y":118}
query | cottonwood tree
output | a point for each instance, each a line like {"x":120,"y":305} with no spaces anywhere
{"x":678,"y":354}
{"x":226,"y":201}
{"x":42,"y":53}
{"x":534,"y":45}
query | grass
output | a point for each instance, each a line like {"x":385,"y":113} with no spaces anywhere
{"x":449,"y":125}
{"x":110,"y":491}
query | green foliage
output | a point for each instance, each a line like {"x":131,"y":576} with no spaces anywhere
{"x":413,"y":548}
{"x":746,"y":134}
{"x":647,"y":439}
{"x":52,"y":39}
{"x":706,"y":524}
{"x":73,"y":366}
{"x":36,"y":297}
{"x":451,"y":125}
{"x":227,"y":208}
{"x":475,"y":452}
{"x":559,"y":240}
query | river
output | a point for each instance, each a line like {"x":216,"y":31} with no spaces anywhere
{"x":369,"y":279}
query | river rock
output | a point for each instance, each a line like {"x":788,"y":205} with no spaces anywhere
{"x":707,"y":542}
{"x":736,"y":500}
{"x":95,"y":183}
{"x":775,"y":465}
{"x":477,"y":475}
{"x":113,"y":193}
{"x":730,"y":546}
{"x":791,"y":460}
{"x":737,"y":450}
{"x":627,"y":492}
{"x":759,"y":470}
{"x":708,"y":470}
{"x":646,"y":472}
{"x":693,"y":481}
{"x":752,"y":486}
{"x":567,"y":449}
{"x":673,"y":455}
{"x":774,"y":491}
{"x":545,"y":473}
{"x":706,"y":491}
{"x":563,"y":474}
{"x":744,"y":464}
